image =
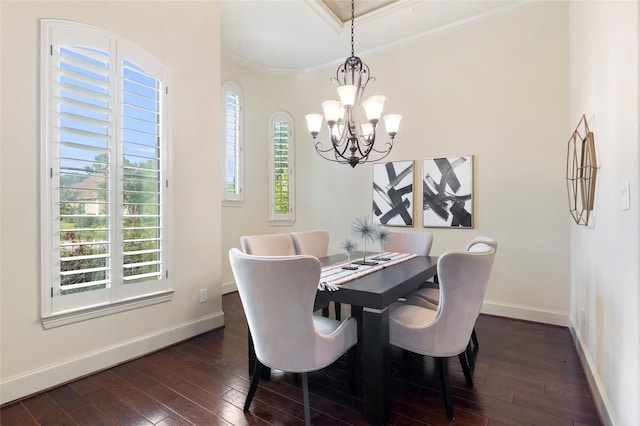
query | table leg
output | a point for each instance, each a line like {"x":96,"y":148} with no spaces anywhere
{"x":375,"y":365}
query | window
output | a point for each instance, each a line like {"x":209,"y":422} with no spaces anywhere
{"x":105,"y":150}
{"x":281,"y":178}
{"x":233,"y":142}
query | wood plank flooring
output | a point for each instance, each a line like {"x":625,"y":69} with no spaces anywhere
{"x":525,"y":374}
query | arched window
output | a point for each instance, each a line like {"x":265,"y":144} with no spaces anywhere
{"x":233,"y":144}
{"x":281,"y":170}
{"x":105,"y":188}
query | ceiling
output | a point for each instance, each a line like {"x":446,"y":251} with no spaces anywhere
{"x":295,"y":35}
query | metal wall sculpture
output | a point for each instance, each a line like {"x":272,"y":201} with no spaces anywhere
{"x":581,"y":172}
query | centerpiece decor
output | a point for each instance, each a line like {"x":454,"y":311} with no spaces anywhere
{"x":348,"y":248}
{"x":365,"y":230}
{"x":382,"y":235}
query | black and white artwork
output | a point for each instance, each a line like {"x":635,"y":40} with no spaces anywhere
{"x":447,"y":190}
{"x":393,"y":193}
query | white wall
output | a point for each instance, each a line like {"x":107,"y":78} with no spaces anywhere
{"x":32,"y":358}
{"x":605,"y":85}
{"x":496,"y":89}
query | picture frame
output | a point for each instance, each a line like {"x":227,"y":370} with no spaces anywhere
{"x":393,"y":193}
{"x":447,"y":188}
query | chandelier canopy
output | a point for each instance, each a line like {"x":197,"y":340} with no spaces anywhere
{"x":352,"y":138}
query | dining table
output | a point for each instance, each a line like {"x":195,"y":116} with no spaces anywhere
{"x":370,"y":297}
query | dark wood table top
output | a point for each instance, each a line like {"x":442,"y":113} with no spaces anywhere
{"x":381,"y":288}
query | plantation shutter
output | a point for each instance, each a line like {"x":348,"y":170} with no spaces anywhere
{"x":106,"y":151}
{"x":82,"y":113}
{"x":232,"y":109}
{"x":281,"y":166}
{"x":142,"y":179}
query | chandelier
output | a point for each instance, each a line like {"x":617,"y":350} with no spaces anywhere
{"x":352,"y":139}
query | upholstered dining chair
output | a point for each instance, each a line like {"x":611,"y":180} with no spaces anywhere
{"x":429,"y":297}
{"x":267,"y":245}
{"x":410,"y":242}
{"x":314,"y":243}
{"x":443,"y":333}
{"x":277,"y":294}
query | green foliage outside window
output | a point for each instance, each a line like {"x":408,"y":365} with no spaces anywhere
{"x":281,"y":156}
{"x":85,"y":236}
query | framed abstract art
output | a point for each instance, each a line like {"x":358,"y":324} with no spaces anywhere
{"x":447,"y":188}
{"x":393,"y":193}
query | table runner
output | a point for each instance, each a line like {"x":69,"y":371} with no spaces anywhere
{"x":333,"y":275}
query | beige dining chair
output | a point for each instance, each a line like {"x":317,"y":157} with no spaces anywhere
{"x":418,"y":243}
{"x":443,"y":333}
{"x":429,"y":296}
{"x":410,"y":242}
{"x":315,"y":243}
{"x":277,"y":294}
{"x":267,"y":244}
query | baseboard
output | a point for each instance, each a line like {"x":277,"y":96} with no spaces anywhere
{"x":595,"y":384}
{"x":229,"y":287}
{"x":527,"y":313}
{"x":36,"y":381}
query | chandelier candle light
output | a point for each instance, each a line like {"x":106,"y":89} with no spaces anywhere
{"x":348,"y":131}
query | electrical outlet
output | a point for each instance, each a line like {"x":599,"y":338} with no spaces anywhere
{"x":203,"y":295}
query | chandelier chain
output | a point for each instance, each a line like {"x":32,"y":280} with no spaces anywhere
{"x":352,"y":19}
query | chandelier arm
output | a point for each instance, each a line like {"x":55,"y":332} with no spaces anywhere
{"x":336,"y":158}
{"x":337,"y":148}
{"x":388,"y":144}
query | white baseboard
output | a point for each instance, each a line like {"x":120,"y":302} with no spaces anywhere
{"x":36,"y":381}
{"x":229,"y":287}
{"x":527,"y":313}
{"x":603,"y":405}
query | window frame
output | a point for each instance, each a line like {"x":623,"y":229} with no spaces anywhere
{"x":230,"y":198}
{"x":116,"y":297}
{"x":276,"y":218}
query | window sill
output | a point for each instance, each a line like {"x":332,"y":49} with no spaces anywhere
{"x":66,"y":318}
{"x":232,"y":203}
{"x":282,"y":222}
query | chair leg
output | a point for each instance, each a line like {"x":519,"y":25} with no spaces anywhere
{"x":337,"y":308}
{"x":257,"y":371}
{"x":305,"y":398}
{"x":325,"y":312}
{"x":444,"y":376}
{"x":470,"y":356}
{"x":465,"y":368}
{"x":474,"y":337}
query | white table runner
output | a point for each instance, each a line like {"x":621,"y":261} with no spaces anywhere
{"x":332,"y":276}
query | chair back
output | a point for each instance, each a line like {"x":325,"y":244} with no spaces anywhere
{"x":267,"y":245}
{"x":277,"y":294}
{"x":313,"y":243}
{"x":463,"y":277}
{"x":410,"y":242}
{"x":484,"y":240}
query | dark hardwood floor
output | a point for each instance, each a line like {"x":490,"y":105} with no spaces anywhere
{"x":525,"y":374}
